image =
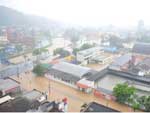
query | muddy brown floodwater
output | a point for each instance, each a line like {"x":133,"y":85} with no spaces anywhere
{"x":58,"y":91}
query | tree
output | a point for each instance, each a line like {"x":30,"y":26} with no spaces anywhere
{"x":75,"y":50}
{"x":145,"y":101}
{"x":39,"y":51}
{"x":39,"y":70}
{"x":147,"y":104}
{"x":36,"y":52}
{"x":123,"y":92}
{"x":19,"y":47}
{"x":135,"y":105}
{"x":115,"y":41}
{"x":86,"y":46}
{"x":61,"y":52}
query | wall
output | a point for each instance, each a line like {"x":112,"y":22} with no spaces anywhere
{"x":60,"y":81}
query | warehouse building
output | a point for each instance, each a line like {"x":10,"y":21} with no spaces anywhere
{"x":84,"y":56}
{"x":68,"y":73}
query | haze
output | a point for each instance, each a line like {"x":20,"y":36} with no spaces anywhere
{"x":86,"y":12}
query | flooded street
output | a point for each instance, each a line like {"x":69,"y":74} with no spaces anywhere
{"x":58,"y":91}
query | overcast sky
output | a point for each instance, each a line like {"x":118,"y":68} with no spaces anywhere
{"x":87,"y":12}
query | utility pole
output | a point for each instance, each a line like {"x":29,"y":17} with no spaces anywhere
{"x":49,"y":87}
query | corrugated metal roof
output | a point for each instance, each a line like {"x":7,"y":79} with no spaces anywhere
{"x":141,"y":48}
{"x":63,"y":75}
{"x":32,"y":95}
{"x":8,"y":84}
{"x":69,"y":68}
{"x":95,"y":107}
{"x":122,"y":60}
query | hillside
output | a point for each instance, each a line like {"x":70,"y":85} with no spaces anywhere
{"x":11,"y":17}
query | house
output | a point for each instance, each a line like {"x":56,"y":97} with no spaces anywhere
{"x":106,"y":80}
{"x":96,"y":107}
{"x":18,"y":104}
{"x":109,"y":49}
{"x":29,"y":100}
{"x":85,"y":85}
{"x":141,"y":49}
{"x":121,"y":63}
{"x":89,"y":38}
{"x":47,"y":107}
{"x":9,"y":86}
{"x":142,"y":68}
{"x":60,"y":42}
{"x":102,"y":58}
{"x":5,"y":99}
{"x":85,"y":55}
{"x":35,"y":95}
{"x":68,"y":73}
{"x":16,"y":69}
{"x":89,"y":83}
{"x":104,"y":93}
{"x":41,"y":43}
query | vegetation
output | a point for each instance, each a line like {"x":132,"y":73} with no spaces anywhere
{"x":19,"y":47}
{"x":83,"y":47}
{"x":39,"y":51}
{"x":145,"y":102}
{"x":123,"y":92}
{"x":114,"y":41}
{"x":75,"y":50}
{"x":86,"y":46}
{"x":61,"y":52}
{"x":135,"y":105}
{"x":126,"y":94}
{"x":39,"y":70}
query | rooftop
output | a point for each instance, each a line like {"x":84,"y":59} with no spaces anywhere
{"x":32,"y":95}
{"x":141,"y":48}
{"x":122,"y":60}
{"x":109,"y":80}
{"x":89,"y":51}
{"x":69,"y":68}
{"x":6,"y":84}
{"x":95,"y":107}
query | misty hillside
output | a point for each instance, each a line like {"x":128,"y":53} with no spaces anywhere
{"x":10,"y":17}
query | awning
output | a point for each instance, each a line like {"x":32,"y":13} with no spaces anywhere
{"x":83,"y":83}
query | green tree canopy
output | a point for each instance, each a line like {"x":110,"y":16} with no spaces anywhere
{"x":83,"y":47}
{"x":145,"y":101}
{"x":61,"y":52}
{"x":123,"y":92}
{"x":86,"y":46}
{"x":19,"y":47}
{"x":75,"y":50}
{"x":39,"y":51}
{"x":39,"y":70}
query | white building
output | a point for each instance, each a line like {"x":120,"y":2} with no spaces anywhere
{"x":85,"y":55}
{"x":60,"y":42}
{"x":88,"y":40}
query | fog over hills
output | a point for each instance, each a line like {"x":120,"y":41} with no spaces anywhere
{"x":11,"y":17}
